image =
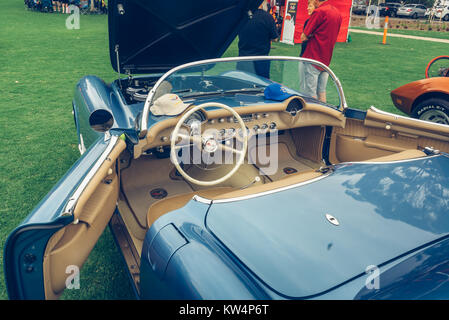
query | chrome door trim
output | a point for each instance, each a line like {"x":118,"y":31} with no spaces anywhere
{"x":397,"y":116}
{"x":70,"y":206}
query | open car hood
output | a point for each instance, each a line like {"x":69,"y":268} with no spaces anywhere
{"x":154,"y":36}
{"x":384,"y":212}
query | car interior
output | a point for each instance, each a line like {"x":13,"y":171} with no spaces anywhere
{"x":310,"y":139}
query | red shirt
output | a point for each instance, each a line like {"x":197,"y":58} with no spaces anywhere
{"x":322,"y":31}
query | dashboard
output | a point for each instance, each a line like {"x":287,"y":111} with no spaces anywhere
{"x":259,"y":119}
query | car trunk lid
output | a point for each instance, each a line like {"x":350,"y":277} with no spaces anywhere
{"x":384,"y":211}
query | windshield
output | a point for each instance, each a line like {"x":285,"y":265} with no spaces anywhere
{"x":300,"y":77}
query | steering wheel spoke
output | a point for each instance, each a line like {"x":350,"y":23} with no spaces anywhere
{"x":225,"y":148}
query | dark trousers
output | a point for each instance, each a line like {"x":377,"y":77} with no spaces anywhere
{"x":261,"y":68}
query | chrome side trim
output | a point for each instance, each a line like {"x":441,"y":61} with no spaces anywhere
{"x":255,"y":195}
{"x":70,"y":206}
{"x":201,"y":199}
{"x":397,"y":116}
{"x":260,"y":194}
{"x":148,"y":101}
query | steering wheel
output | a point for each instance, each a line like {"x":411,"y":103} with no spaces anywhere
{"x":207,"y":144}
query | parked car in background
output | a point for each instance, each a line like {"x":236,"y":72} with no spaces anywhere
{"x":426,"y":99}
{"x":359,"y":9}
{"x":442,"y":13}
{"x":430,"y":12}
{"x":388,"y":9}
{"x":413,"y":11}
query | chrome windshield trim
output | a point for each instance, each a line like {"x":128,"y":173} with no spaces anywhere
{"x":397,"y":116}
{"x":70,"y":206}
{"x":148,"y":101}
{"x":264,"y":193}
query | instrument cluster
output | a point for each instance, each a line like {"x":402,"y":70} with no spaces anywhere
{"x":256,"y":123}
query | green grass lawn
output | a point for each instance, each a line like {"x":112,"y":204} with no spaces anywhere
{"x":40,"y":63}
{"x":419,"y":33}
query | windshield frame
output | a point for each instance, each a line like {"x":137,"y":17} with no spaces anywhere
{"x":146,"y":109}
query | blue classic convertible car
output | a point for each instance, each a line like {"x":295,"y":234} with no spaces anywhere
{"x":221,"y":183}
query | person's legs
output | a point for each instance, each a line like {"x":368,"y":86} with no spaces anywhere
{"x":321,"y":86}
{"x":262,"y":68}
{"x":310,"y":80}
{"x":301,"y":76}
{"x":246,"y":66}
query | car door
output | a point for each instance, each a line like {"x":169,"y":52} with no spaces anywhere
{"x":422,"y":11}
{"x":53,"y":242}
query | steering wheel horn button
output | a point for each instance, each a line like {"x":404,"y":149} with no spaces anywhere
{"x":332,"y":219}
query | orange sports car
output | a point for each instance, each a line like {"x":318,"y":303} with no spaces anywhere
{"x":426,"y":99}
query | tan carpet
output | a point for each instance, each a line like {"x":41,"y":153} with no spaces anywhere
{"x":144,"y":175}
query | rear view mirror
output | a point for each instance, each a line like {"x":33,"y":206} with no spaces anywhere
{"x":101,"y":120}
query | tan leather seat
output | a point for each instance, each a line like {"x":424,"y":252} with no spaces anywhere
{"x":404,"y":155}
{"x":168,"y":204}
{"x":291,"y":179}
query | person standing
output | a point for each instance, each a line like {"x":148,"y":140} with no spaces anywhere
{"x":310,"y":9}
{"x":255,"y":40}
{"x":321,"y":35}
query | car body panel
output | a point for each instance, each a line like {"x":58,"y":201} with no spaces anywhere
{"x":421,"y":276}
{"x":157,"y":35}
{"x":404,"y":97}
{"x":442,"y":12}
{"x":91,"y":94}
{"x":294,"y":252}
{"x":187,"y":271}
{"x":298,"y":253}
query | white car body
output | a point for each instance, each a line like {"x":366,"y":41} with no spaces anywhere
{"x":442,"y":13}
{"x":412,"y":11}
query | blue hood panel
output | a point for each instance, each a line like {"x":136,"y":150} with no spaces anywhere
{"x":384,"y":211}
